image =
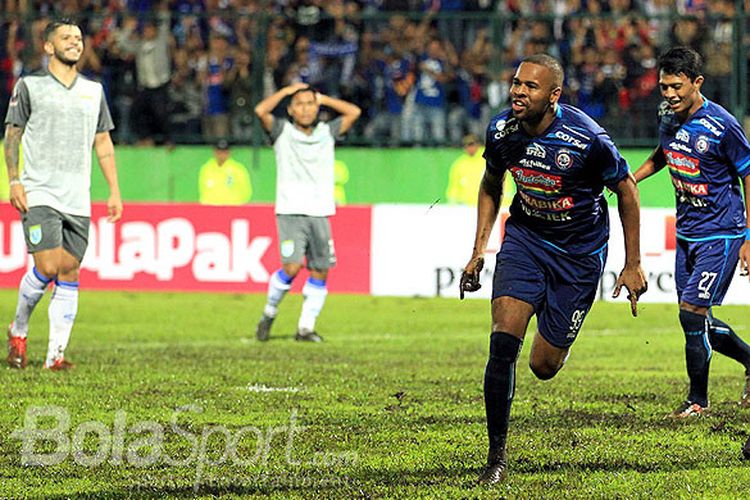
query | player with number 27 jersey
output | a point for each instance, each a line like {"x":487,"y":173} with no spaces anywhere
{"x":706,"y":156}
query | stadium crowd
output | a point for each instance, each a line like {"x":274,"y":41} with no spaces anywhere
{"x":423,"y":71}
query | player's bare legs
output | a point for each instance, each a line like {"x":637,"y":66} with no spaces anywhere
{"x":510,"y":318}
{"x":545,"y":359}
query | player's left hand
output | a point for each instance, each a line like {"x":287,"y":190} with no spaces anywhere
{"x":745,"y":259}
{"x":634,"y":279}
{"x":114,"y":208}
{"x":470,"y":276}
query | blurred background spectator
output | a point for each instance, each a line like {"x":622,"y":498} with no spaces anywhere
{"x":223,"y":180}
{"x":425,"y":72}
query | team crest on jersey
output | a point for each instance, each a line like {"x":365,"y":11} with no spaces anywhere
{"x":287,"y":248}
{"x":682,"y":136}
{"x":35,"y":234}
{"x":702,"y":144}
{"x":536,"y":150}
{"x":563,"y":159}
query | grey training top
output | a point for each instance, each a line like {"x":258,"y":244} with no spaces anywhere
{"x":59,"y":127}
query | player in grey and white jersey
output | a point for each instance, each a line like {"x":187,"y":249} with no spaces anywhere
{"x":58,"y":115}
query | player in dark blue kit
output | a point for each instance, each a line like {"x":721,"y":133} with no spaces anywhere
{"x":555,"y":242}
{"x":707,"y":153}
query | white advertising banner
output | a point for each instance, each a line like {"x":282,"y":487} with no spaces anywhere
{"x":418,"y":250}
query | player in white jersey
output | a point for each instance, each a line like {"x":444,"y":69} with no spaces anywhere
{"x":58,"y":115}
{"x":304,"y":197}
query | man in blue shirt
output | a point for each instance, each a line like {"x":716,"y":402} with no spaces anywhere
{"x":555,"y":243}
{"x":707,"y":153}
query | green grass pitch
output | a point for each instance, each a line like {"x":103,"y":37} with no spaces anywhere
{"x":389,"y":406}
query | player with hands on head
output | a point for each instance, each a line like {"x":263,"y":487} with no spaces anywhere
{"x":304,"y":149}
{"x":555,"y":241}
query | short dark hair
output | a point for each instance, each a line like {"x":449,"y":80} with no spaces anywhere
{"x":56,"y":23}
{"x":309,"y":88}
{"x":551,"y":64}
{"x":681,"y":60}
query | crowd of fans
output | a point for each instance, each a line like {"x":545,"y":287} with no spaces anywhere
{"x":424,"y":71}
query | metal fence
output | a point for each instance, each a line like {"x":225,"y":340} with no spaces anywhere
{"x":421,"y":78}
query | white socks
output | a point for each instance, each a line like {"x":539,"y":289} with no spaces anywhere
{"x":278,"y":285}
{"x":30,"y":292}
{"x":315,"y":293}
{"x":62,"y":313}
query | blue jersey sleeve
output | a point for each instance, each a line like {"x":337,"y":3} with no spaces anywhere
{"x":735,"y":147}
{"x":495,"y":167}
{"x":607,"y":160}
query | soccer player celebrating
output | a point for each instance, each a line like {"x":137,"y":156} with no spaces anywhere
{"x":555,"y":242}
{"x":59,"y":115}
{"x":707,"y":153}
{"x":304,"y":151}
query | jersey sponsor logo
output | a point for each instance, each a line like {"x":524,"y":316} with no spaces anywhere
{"x":533,"y":164}
{"x":563,"y":159}
{"x":710,"y":126}
{"x":504,"y":128}
{"x":680,"y":147}
{"x":702,"y":144}
{"x":682,"y":135}
{"x":535,"y":149}
{"x":535,"y":181}
{"x":689,"y":187}
{"x":563,"y":136}
{"x":548,"y":216}
{"x":683,"y":165}
{"x":564,"y":203}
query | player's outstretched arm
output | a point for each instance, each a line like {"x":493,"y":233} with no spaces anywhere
{"x":105,"y":153}
{"x":349,"y":112}
{"x":745,"y":249}
{"x":488,"y":206}
{"x":632,"y":276}
{"x":653,"y":164}
{"x":17,"y":192}
{"x":264,"y":109}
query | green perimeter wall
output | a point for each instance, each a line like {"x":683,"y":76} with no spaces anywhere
{"x":407,"y":175}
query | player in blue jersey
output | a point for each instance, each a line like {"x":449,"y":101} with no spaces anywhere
{"x":707,"y":154}
{"x":555,"y":242}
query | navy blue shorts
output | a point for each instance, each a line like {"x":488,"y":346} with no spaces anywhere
{"x":704,"y":269}
{"x":561,"y":287}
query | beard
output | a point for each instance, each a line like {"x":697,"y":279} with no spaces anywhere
{"x":60,"y":56}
